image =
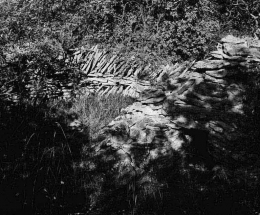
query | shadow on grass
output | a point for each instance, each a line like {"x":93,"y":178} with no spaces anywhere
{"x":43,"y":154}
{"x":168,"y":185}
{"x":37,"y":152}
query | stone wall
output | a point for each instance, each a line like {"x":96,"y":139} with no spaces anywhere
{"x":196,"y":108}
{"x":206,"y":107}
{"x":105,"y":73}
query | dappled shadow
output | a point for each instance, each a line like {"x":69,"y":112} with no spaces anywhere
{"x":212,"y":169}
{"x":227,"y":111}
{"x":170,"y":184}
{"x":219,"y":121}
{"x":199,"y":156}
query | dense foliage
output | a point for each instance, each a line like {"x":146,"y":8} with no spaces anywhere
{"x":164,"y":28}
{"x":154,"y":31}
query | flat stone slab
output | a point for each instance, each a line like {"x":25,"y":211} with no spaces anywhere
{"x":211,"y":64}
{"x":236,"y":50}
{"x":221,"y":73}
{"x":232,"y":39}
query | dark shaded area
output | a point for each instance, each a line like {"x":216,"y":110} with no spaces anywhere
{"x":213,"y":173}
{"x":197,"y":149}
{"x":229,"y":184}
{"x":170,"y":185}
{"x":48,"y":167}
{"x":37,"y":152}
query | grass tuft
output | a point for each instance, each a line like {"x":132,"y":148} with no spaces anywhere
{"x":95,"y":112}
{"x":39,"y":150}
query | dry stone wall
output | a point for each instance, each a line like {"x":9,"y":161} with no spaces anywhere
{"x":105,"y":73}
{"x":204,"y":105}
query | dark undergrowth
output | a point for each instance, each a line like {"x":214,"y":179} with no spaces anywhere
{"x":37,"y":153}
{"x":39,"y":148}
{"x":50,"y":165}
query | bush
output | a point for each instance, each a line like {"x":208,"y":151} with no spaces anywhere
{"x":242,"y":16}
{"x":166,"y":29}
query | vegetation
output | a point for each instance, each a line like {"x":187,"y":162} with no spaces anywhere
{"x":39,"y":147}
{"x":45,"y":160}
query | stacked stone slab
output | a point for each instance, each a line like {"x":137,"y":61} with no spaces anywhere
{"x":198,"y":103}
{"x":105,"y":73}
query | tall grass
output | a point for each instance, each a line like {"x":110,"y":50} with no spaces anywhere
{"x":38,"y":149}
{"x":95,"y":112}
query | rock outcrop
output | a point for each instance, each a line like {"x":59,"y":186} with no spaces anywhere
{"x":204,"y":105}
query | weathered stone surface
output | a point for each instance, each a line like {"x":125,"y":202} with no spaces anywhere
{"x":232,"y":39}
{"x":151,"y":93}
{"x":221,"y":73}
{"x":255,"y":53}
{"x":236,"y":50}
{"x":208,"y":96}
{"x":186,"y":86}
{"x":234,"y":58}
{"x":217,"y":54}
{"x":212,"y":79}
{"x":153,"y":100}
{"x":211,"y":64}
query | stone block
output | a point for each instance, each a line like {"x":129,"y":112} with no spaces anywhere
{"x":236,"y":50}
{"x":211,"y":64}
{"x":232,"y":39}
{"x":221,"y":73}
